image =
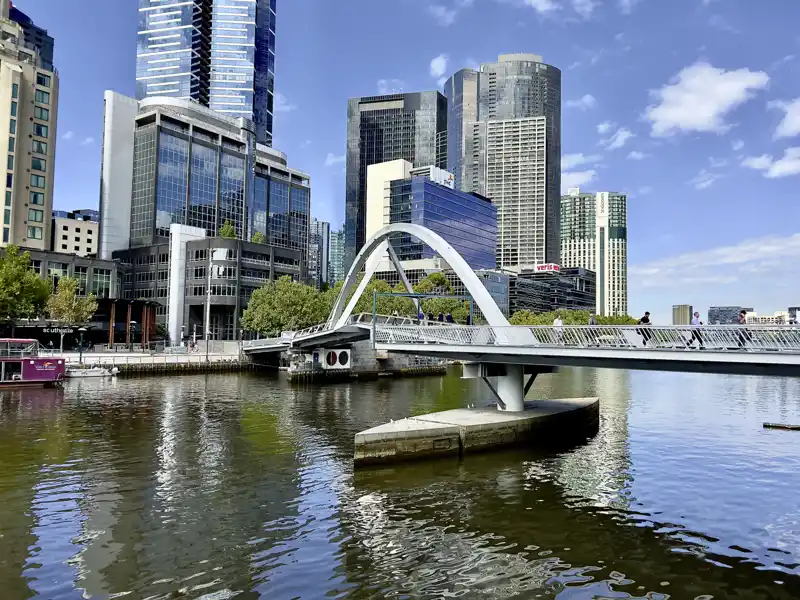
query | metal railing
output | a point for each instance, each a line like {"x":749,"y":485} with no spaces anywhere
{"x":750,"y":338}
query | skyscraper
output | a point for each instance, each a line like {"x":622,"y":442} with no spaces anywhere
{"x":511,"y":151}
{"x":220,"y":53}
{"x":34,"y":35}
{"x":383,"y":128}
{"x":319,"y":252}
{"x":682,"y":314}
{"x":336,"y":270}
{"x":594,"y":236}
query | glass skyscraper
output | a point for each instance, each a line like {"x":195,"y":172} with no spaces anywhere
{"x":34,"y":35}
{"x":411,"y":126}
{"x":220,"y":53}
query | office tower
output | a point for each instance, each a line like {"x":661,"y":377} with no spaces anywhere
{"x":384,"y":128}
{"x":726,"y":315}
{"x":34,"y":36}
{"x":682,"y":314}
{"x":75,"y":232}
{"x":511,"y":152}
{"x":319,"y":253}
{"x":461,"y":91}
{"x":594,"y":236}
{"x":220,"y":53}
{"x":336,"y":272}
{"x":29,"y":105}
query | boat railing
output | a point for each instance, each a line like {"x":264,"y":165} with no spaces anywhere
{"x":18,"y":348}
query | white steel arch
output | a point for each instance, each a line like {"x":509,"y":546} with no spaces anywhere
{"x":375,"y":250}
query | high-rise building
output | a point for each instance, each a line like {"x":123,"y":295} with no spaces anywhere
{"x":336,"y":272}
{"x":383,"y":128}
{"x":510,"y":151}
{"x":34,"y":36}
{"x":682,"y":314}
{"x":725,"y":315}
{"x":594,"y":236}
{"x":220,"y":53}
{"x":75,"y":232}
{"x":319,"y":253}
{"x":28,"y":112}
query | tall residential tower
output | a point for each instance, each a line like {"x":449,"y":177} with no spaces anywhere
{"x":383,"y":128}
{"x":594,"y":236}
{"x":220,"y":53}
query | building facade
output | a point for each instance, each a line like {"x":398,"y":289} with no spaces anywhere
{"x":568,"y":288}
{"x":682,"y":314}
{"x":28,"y":113}
{"x":594,"y":236}
{"x":725,"y":315}
{"x":34,"y":36}
{"x":518,"y":100}
{"x":336,"y":272}
{"x":220,"y":53}
{"x":411,"y":126}
{"x":75,"y":232}
{"x":319,"y":252}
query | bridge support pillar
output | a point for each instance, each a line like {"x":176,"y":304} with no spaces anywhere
{"x":510,"y":389}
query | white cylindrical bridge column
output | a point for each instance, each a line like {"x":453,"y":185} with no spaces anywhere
{"x":511,"y":389}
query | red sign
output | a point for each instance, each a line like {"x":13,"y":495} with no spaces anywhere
{"x":549,"y":267}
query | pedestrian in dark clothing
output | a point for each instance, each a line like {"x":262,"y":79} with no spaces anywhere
{"x":744,"y":335}
{"x":469,"y":319}
{"x":643,"y":331}
{"x":440,"y":318}
{"x":449,"y":318}
{"x":430,"y":316}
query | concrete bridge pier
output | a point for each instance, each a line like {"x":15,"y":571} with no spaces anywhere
{"x":507,"y":381}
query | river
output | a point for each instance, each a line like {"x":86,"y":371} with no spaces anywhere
{"x":242,"y":486}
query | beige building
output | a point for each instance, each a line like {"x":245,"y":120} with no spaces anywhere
{"x":75,"y":233}
{"x":682,"y":314}
{"x":28,"y":111}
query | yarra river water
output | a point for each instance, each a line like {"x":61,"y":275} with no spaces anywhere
{"x":241,"y":486}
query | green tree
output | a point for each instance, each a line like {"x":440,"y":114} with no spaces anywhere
{"x":258,"y":237}
{"x":66,"y":307}
{"x":23,"y":294}
{"x":569,"y":317}
{"x":227,"y":231}
{"x":437,"y":284}
{"x":284,"y":305}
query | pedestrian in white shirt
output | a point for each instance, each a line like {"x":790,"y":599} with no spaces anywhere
{"x":559,"y":325}
{"x":696,"y":324}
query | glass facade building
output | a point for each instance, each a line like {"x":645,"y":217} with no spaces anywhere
{"x":319,"y":253}
{"x":411,"y":126}
{"x":220,"y":53}
{"x":35,"y":36}
{"x":336,"y":272}
{"x":467,"y":222}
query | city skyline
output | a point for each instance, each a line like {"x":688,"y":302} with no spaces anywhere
{"x":619,"y":81}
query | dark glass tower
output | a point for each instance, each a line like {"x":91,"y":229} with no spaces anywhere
{"x":411,"y":126}
{"x":220,"y":53}
{"x":35,"y":36}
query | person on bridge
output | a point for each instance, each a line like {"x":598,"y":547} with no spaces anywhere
{"x":592,"y":334}
{"x":559,"y":326}
{"x":646,"y":335}
{"x":744,"y":335}
{"x":430,"y":316}
{"x":449,"y":318}
{"x":696,"y":323}
{"x":440,"y":318}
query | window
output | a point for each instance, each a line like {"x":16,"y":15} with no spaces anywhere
{"x":41,"y":113}
{"x":6,"y":217}
{"x":63,"y":246}
{"x":38,"y":164}
{"x":39,"y":129}
{"x":65,"y":228}
{"x":10,"y":163}
{"x":38,"y":198}
{"x":13,"y":109}
{"x":39,"y":147}
{"x":43,"y":97}
{"x":5,"y":235}
{"x":13,"y":127}
{"x":77,"y":238}
{"x":88,"y":250}
{"x":11,"y":142}
{"x":9,"y":180}
{"x":34,"y":233}
{"x":15,"y":90}
{"x":64,"y":238}
{"x":77,"y":230}
{"x":35,"y":215}
{"x":77,"y":248}
{"x":43,"y":80}
{"x":37,"y":181}
{"x":8,"y":197}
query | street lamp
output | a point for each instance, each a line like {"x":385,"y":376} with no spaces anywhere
{"x":133,"y":331}
{"x":80,"y":349}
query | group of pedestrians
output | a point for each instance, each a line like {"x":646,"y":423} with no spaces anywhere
{"x":441,"y":318}
{"x":742,"y":336}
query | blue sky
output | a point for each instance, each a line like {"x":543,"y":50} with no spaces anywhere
{"x":692,"y":107}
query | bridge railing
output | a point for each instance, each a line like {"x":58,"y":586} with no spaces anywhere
{"x":712,"y":337}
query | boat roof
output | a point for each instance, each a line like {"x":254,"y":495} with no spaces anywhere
{"x":18,"y":340}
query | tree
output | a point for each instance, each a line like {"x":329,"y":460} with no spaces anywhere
{"x":258,"y":237}
{"x":569,"y":317}
{"x":227,"y":231}
{"x":284,"y":305}
{"x":65,"y":306}
{"x":23,"y":294}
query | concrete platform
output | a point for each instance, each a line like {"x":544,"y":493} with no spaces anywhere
{"x":457,"y":432}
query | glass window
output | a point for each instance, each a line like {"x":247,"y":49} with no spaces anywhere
{"x":6,"y":217}
{"x":203,"y":188}
{"x":9,"y":180}
{"x":11,"y":142}
{"x":38,"y":164}
{"x":40,"y":130}
{"x":43,"y":80}
{"x":38,"y":198}
{"x":5,"y":235}
{"x":13,"y":109}
{"x":43,"y":97}
{"x":173,"y":167}
{"x":13,"y":127}
{"x":39,"y":147}
{"x":10,"y":163}
{"x":37,"y":181}
{"x":34,"y":233}
{"x":15,"y":90}
{"x":8,"y":197}
{"x":231,"y":191}
{"x":41,"y":113}
{"x":35,"y":215}
{"x":63,"y":246}
{"x":101,"y":282}
{"x":82,"y":275}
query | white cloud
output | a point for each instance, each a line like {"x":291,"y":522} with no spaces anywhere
{"x":717,"y":163}
{"x":68,"y":135}
{"x":585,"y":103}
{"x":700,"y":97}
{"x":542,"y":6}
{"x":636,"y":155}
{"x":626,"y":6}
{"x":604,"y":127}
{"x":785,"y":166}
{"x":619,"y":139}
{"x":782,"y":61}
{"x":333,"y":159}
{"x":87,"y":141}
{"x":704,"y":179}
{"x":576,"y":179}
{"x":390,"y":86}
{"x":585,"y":8}
{"x":790,"y":125}
{"x":282,"y":104}
{"x":444,"y":16}
{"x":737,"y":145}
{"x":570,"y":161}
{"x":439,"y":66}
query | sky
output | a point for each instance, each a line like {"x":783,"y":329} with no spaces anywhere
{"x":691,"y":107}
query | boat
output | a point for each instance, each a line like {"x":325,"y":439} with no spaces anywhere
{"x":95,"y":371}
{"x":22,"y":367}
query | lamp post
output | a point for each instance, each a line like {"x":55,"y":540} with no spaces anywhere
{"x":133,"y":331}
{"x":80,"y":349}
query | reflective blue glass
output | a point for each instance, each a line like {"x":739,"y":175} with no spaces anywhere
{"x":173,"y":171}
{"x":203,"y":188}
{"x":257,"y":211}
{"x":279,"y":213}
{"x":299,"y":210}
{"x":231,"y":192}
